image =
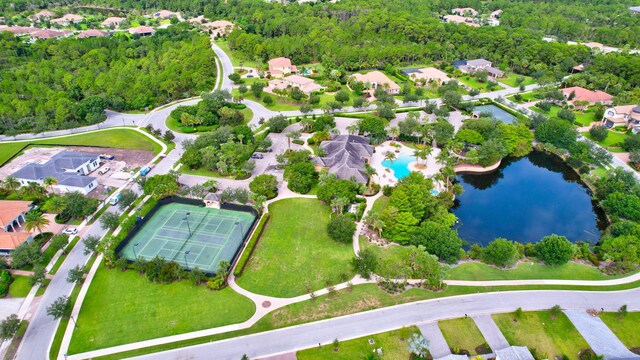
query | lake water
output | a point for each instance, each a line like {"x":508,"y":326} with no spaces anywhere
{"x":400,"y":166}
{"x":496,"y":112}
{"x":526,"y":199}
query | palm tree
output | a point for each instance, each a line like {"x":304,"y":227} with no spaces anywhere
{"x":49,"y":182}
{"x":352,"y":129}
{"x":394,"y":132}
{"x":370,"y":172}
{"x":295,"y":135}
{"x":12,"y":184}
{"x":338,"y":204}
{"x":389,"y":156}
{"x":306,"y":124}
{"x":55,"y":205}
{"x":35,"y":221}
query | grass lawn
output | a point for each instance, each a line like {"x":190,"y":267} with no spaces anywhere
{"x":478,"y":271}
{"x":114,"y":138}
{"x":464,"y":334}
{"x":123,"y":307}
{"x":613,"y":141}
{"x":20,"y":286}
{"x":626,"y":328}
{"x":379,"y":204}
{"x":393,"y":344}
{"x":475,"y":84}
{"x":526,"y":97}
{"x":295,"y":255}
{"x":176,"y":126}
{"x":545,"y":337}
{"x":584,"y":118}
{"x":236,"y":57}
{"x":510,"y":79}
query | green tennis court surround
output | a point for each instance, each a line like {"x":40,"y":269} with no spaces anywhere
{"x":189,"y":234}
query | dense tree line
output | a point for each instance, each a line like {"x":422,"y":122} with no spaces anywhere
{"x":67,"y":83}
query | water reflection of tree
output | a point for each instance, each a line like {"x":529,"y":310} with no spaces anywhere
{"x":553,"y":163}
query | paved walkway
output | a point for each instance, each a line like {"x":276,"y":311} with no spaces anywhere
{"x":492,"y":334}
{"x":599,"y":337}
{"x":438,"y":346}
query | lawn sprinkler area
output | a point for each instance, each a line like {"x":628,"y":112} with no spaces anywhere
{"x":190,"y":234}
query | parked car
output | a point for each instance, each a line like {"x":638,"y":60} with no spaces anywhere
{"x":104,"y":170}
{"x":107,"y":157}
{"x":145,"y":171}
{"x":257,"y":156}
{"x":70,"y":231}
{"x":114,"y":199}
{"x":250,"y":76}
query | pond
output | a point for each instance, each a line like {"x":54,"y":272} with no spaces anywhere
{"x":496,"y":112}
{"x":400,"y":166}
{"x":526,"y":199}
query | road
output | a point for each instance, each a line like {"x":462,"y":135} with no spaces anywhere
{"x":371,"y":322}
{"x":42,"y":327}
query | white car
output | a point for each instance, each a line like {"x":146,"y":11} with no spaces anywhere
{"x":70,"y":231}
{"x":104,"y":170}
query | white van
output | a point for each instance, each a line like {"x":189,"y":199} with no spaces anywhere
{"x":104,"y":170}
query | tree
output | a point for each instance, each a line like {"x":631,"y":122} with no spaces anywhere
{"x":264,"y":184}
{"x":365,"y":263}
{"x":168,"y":136}
{"x":342,"y":96}
{"x":598,"y":133}
{"x":277,"y":123}
{"x":54,"y":205}
{"x":267,"y":99}
{"x":39,"y":274}
{"x":439,"y":240}
{"x":418,"y":345}
{"x":256,"y":88}
{"x":109,"y":220}
{"x":49,"y":182}
{"x":59,"y":308}
{"x":451,"y":98}
{"x":90,"y":244}
{"x":341,"y":228}
{"x":554,"y":250}
{"x":35,"y":220}
{"x":566,"y":114}
{"x":622,"y":205}
{"x":336,"y":345}
{"x":9,"y":326}
{"x":76,"y":274}
{"x":360,"y":103}
{"x":127,"y":197}
{"x":305,"y":109}
{"x":11,"y":183}
{"x":78,"y":205}
{"x":197,"y":276}
{"x":631,"y":143}
{"x":294,"y":134}
{"x":442,"y":132}
{"x":557,"y":132}
{"x":28,"y":253}
{"x":500,"y":252}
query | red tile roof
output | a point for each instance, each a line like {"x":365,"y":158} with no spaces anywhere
{"x":586,"y":94}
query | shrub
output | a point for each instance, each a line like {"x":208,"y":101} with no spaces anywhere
{"x":341,"y":228}
{"x":264,"y":184}
{"x":500,"y":252}
{"x":298,"y":142}
{"x":188,"y":129}
{"x":246,"y":254}
{"x":215,"y":283}
{"x":554,"y":250}
{"x":598,"y":133}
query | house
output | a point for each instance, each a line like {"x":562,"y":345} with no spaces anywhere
{"x":346,"y":156}
{"x":635,"y":9}
{"x":473,"y":66}
{"x":198,"y":20}
{"x":165,"y":14}
{"x":68,"y":19}
{"x":19,"y":30}
{"x":13,"y":214}
{"x":577,"y":93}
{"x":212,"y":200}
{"x":70,"y":168}
{"x":373,"y":79}
{"x":44,"y":15}
{"x":306,"y":85}
{"x":220,"y":27}
{"x":626,"y":115}
{"x":464,"y":11}
{"x":459,"y":20}
{"x":427,"y":75}
{"x":11,"y":240}
{"x":92,"y":33}
{"x":279,"y":67}
{"x":514,"y":353}
{"x":496,"y":14}
{"x":594,"y":46}
{"x":142,"y":31}
{"x":113,"y":22}
{"x":49,"y":34}
{"x":494,"y":72}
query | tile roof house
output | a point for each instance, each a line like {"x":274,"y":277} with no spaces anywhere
{"x":142,"y":31}
{"x":43,"y":15}
{"x":13,"y":213}
{"x":220,"y":27}
{"x":374,"y":79}
{"x":11,"y":240}
{"x":626,"y":115}
{"x":92,"y":33}
{"x":49,"y":34}
{"x":496,"y":14}
{"x":198,"y":20}
{"x":305,"y":84}
{"x":459,"y":20}
{"x":346,"y":156}
{"x":19,"y":30}
{"x":427,"y":75}
{"x":577,"y":93}
{"x":68,"y":167}
{"x":113,"y":21}
{"x":473,"y":66}
{"x":464,"y":11}
{"x":279,"y":67}
{"x":165,"y":14}
{"x":68,"y":19}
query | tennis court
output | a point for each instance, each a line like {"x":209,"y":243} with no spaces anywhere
{"x":190,"y":235}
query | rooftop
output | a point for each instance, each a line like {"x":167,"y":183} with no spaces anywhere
{"x":586,"y":94}
{"x":59,"y":167}
{"x":142,"y":30}
{"x":344,"y":156}
{"x":376,"y":77}
{"x":92,"y":33}
{"x":11,"y":240}
{"x":10,"y":209}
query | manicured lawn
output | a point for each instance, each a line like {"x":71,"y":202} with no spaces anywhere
{"x":393,"y":344}
{"x":236,"y":57}
{"x":478,"y":271}
{"x":176,"y":126}
{"x":510,"y":79}
{"x":625,"y":328}
{"x":526,"y":97}
{"x":475,"y":84}
{"x":583,"y":118}
{"x":613,"y":142}
{"x":463,"y":334}
{"x":295,"y":254}
{"x":546,"y":336}
{"x":114,"y":138}
{"x":19,"y":287}
{"x":123,"y":307}
{"x":379,"y":204}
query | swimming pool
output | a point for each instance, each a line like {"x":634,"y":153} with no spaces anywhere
{"x":496,"y":112}
{"x":400,"y":166}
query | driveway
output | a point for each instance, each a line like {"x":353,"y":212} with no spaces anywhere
{"x":491,"y":332}
{"x":438,"y":346}
{"x":599,"y":337}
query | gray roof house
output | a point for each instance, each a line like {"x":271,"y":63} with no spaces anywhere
{"x":68,"y":167}
{"x":346,"y":156}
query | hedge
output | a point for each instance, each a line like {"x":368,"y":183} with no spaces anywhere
{"x":246,"y":254}
{"x":5,"y":282}
{"x":298,"y":142}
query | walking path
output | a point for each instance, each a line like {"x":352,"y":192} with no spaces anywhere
{"x":438,"y":346}
{"x":599,"y":337}
{"x":492,"y":334}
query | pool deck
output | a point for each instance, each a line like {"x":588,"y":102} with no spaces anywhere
{"x":385,"y":175}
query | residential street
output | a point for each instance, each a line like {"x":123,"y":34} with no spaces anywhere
{"x":376,"y":321}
